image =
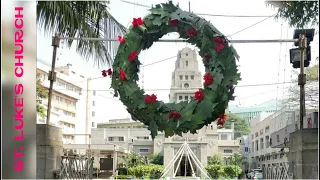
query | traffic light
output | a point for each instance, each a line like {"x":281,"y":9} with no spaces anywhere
{"x":295,"y":57}
{"x":295,"y":53}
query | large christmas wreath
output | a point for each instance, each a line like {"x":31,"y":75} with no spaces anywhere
{"x":219,"y":59}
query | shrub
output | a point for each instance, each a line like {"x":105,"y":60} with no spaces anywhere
{"x":156,"y":172}
{"x":232,"y":171}
{"x":215,"y":171}
{"x":122,"y":171}
{"x":145,"y":170}
{"x":123,"y":177}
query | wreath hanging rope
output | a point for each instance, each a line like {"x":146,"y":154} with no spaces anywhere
{"x":219,"y":59}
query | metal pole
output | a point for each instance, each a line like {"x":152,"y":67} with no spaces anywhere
{"x":52,"y":74}
{"x":181,"y":40}
{"x":302,"y":77}
{"x":189,"y":7}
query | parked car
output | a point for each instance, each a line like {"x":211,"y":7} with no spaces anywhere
{"x":255,"y":173}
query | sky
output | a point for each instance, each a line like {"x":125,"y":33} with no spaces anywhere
{"x":260,"y":63}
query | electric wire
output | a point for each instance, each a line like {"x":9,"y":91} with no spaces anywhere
{"x":204,"y":14}
{"x":238,"y":86}
{"x":280,"y":51}
{"x":241,"y":30}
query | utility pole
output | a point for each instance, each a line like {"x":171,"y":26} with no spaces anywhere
{"x":52,"y":73}
{"x":302,"y":77}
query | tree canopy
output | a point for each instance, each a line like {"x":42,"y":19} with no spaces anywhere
{"x":82,"y":19}
{"x":241,"y":127}
{"x":41,"y":94}
{"x":311,"y":89}
{"x":299,"y":14}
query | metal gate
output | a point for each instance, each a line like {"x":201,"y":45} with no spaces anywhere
{"x":73,"y":167}
{"x":279,"y":171}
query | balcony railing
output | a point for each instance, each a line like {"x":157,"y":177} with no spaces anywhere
{"x":68,"y":130}
{"x":68,"y":119}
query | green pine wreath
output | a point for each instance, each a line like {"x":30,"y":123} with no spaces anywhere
{"x":219,"y":59}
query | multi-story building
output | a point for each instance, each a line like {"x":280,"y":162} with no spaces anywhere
{"x":248,"y":113}
{"x":73,"y":106}
{"x":134,"y":136}
{"x":260,"y":141}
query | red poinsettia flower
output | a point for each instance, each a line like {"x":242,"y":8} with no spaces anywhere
{"x":207,"y":56}
{"x":192,"y":33}
{"x":109,"y":71}
{"x":137,"y":22}
{"x":132,"y":56}
{"x":199,"y":95}
{"x":122,"y":75}
{"x":208,"y":79}
{"x":121,"y":39}
{"x":150,"y":98}
{"x":220,"y":122}
{"x":174,"y":114}
{"x":223,"y":117}
{"x":173,"y":22}
{"x":104,"y":73}
{"x":220,"y":43}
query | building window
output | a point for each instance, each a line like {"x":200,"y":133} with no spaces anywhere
{"x":93,"y":103}
{"x":187,"y":63}
{"x":257,"y":145}
{"x":74,"y":104}
{"x":186,"y":77}
{"x":246,"y":149}
{"x":181,"y":77}
{"x":93,"y":124}
{"x":144,"y":150}
{"x":192,"y":77}
{"x":252,"y":146}
{"x":186,"y":98}
{"x":57,"y":98}
{"x":261,"y":143}
{"x":115,"y":138}
{"x":94,"y":92}
{"x":186,"y":54}
{"x":252,"y":136}
{"x":267,"y":129}
{"x":229,"y":151}
{"x":261,"y":131}
{"x":180,"y":97}
{"x":224,"y":137}
{"x":257,"y":134}
{"x":143,"y":138}
{"x":278,"y":138}
{"x":93,"y":113}
{"x":267,"y":141}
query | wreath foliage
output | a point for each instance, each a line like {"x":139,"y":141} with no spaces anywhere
{"x":219,"y":59}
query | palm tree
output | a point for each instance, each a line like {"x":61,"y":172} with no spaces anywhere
{"x":87,"y":19}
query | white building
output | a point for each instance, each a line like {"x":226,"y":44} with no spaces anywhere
{"x":73,"y":105}
{"x":262,"y":126}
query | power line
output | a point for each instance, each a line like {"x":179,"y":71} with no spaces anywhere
{"x":252,"y":25}
{"x":280,"y":51}
{"x":239,"y":86}
{"x":202,"y":14}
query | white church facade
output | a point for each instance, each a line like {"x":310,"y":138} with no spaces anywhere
{"x":133,"y":136}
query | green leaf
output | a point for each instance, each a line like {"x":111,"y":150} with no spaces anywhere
{"x":129,"y":88}
{"x":153,"y":127}
{"x":206,"y":107}
{"x":235,"y":52}
{"x":142,"y":106}
{"x":157,"y":21}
